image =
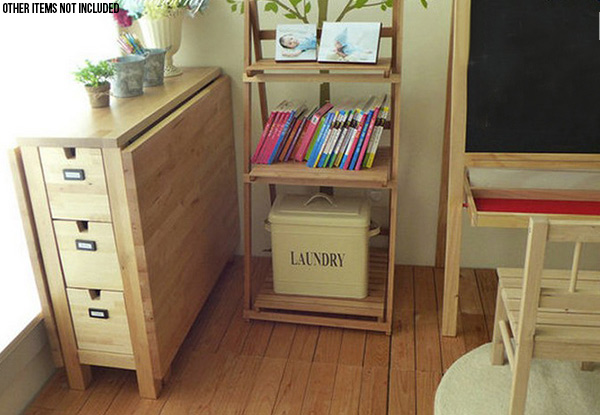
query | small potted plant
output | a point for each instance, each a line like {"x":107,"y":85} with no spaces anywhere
{"x":95,"y":78}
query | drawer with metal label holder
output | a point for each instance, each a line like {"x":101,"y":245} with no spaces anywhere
{"x":76,"y":183}
{"x":100,"y":320}
{"x":88,"y":254}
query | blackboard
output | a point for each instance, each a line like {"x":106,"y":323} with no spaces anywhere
{"x":534,"y":76}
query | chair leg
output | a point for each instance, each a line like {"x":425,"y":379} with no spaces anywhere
{"x":520,"y":380}
{"x":498,"y":350}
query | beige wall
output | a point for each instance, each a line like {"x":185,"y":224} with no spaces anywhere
{"x":217,"y":39}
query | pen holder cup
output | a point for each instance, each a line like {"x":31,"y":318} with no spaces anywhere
{"x":154,"y":70}
{"x":128,"y":80}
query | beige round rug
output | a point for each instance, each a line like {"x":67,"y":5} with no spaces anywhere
{"x":472,"y":386}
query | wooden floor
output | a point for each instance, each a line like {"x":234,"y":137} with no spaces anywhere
{"x":229,"y":366}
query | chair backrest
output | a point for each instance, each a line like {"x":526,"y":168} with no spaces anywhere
{"x":569,"y":290}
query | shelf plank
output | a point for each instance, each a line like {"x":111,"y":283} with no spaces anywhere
{"x":382,"y":65}
{"x":269,"y":34}
{"x":297,"y":173}
{"x":316,"y":320}
{"x":394,"y":78}
{"x":370,"y":306}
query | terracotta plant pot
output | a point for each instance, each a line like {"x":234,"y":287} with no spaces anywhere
{"x":99,"y":95}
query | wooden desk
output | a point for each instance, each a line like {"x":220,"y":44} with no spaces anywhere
{"x":135,"y":208}
{"x":497,"y":58}
{"x":519,"y":206}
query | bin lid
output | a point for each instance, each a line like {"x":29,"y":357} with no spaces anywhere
{"x":321,"y":210}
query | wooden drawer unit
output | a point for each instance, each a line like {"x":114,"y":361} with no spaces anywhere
{"x":88,"y":254}
{"x":136,"y":214}
{"x":100,"y":320}
{"x":75,"y":183}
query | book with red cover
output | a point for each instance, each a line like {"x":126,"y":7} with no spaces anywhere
{"x":290,"y":134}
{"x":275,"y":133}
{"x":363,"y":150}
{"x":310,"y":131}
{"x":265,"y":133}
{"x":285,"y":132}
{"x":270,"y":133}
{"x":305,"y":117}
{"x":296,"y":148}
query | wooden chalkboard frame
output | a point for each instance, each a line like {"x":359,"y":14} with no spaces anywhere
{"x":457,"y":162}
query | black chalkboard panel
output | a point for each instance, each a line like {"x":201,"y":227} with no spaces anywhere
{"x":534,"y":76}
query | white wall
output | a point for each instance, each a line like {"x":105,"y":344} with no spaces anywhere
{"x":217,"y":39}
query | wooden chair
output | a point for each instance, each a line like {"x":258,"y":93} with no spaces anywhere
{"x":553,"y":314}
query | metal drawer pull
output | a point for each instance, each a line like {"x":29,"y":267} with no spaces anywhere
{"x":74,"y":174}
{"x":83,"y":245}
{"x":98,"y":313}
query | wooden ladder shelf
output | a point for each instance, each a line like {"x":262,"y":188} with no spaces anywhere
{"x":260,"y":302}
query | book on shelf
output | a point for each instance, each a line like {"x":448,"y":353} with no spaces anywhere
{"x":351,"y":149}
{"x":363,"y":137}
{"x":313,"y":125}
{"x":349,"y":133}
{"x":291,"y":132}
{"x":363,"y":150}
{"x":273,"y":133}
{"x":341,"y":139}
{"x":296,"y":109}
{"x":381,"y":121}
{"x":270,"y":122}
{"x":344,"y":136}
{"x":331,"y":144}
{"x":327,"y":142}
{"x":317,"y":142}
{"x":299,"y":129}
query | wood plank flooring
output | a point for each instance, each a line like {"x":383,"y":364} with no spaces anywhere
{"x":230,"y":366}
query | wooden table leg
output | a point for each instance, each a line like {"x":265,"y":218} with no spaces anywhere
{"x":452,"y":271}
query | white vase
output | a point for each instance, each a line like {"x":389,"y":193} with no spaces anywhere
{"x":164,"y":33}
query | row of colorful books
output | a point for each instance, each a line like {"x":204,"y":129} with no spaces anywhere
{"x":345,"y":136}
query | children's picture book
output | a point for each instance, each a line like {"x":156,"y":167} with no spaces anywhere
{"x":350,"y":42}
{"x":296,"y":42}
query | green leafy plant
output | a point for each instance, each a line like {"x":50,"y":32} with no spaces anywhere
{"x":299,"y":9}
{"x":94,"y":75}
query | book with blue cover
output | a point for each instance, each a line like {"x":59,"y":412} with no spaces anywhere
{"x":319,"y":142}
